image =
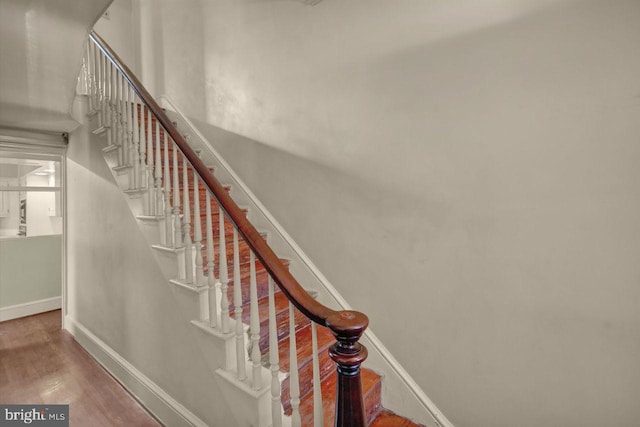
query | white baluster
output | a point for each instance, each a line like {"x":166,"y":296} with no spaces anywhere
{"x":186,"y":223}
{"x":132,"y":119}
{"x":223,"y":275}
{"x":119,"y":119}
{"x":122,"y":96}
{"x":108,"y":101}
{"x":136,"y":144}
{"x":237,"y":302}
{"x":103,"y":82}
{"x":318,"y":416}
{"x":94,"y":75}
{"x":99,"y":97}
{"x":112,"y":121}
{"x":211,"y":278}
{"x":177,"y":227}
{"x":158,"y":175}
{"x":254,"y":324}
{"x":168,"y":220}
{"x":294,"y":384}
{"x":114,"y":112}
{"x":126,"y":122}
{"x":197,"y":229}
{"x":150,"y":180}
{"x":143,"y":148}
{"x":94,"y":78}
{"x":89,"y":56}
{"x":94,"y":84}
{"x":274,"y":360}
{"x":84,"y":85}
{"x":101,"y":87}
{"x":197,"y":237}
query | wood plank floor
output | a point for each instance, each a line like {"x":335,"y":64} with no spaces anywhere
{"x":41,"y":364}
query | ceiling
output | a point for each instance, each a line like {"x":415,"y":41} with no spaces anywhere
{"x":41,"y":45}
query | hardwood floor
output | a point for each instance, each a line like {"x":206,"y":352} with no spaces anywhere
{"x":41,"y":364}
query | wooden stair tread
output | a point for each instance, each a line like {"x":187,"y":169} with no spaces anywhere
{"x":281,"y":303}
{"x":303,"y":345}
{"x":262,"y":279}
{"x":305,"y":361}
{"x":371,"y":389}
{"x":243,"y":252}
{"x":387,"y":418}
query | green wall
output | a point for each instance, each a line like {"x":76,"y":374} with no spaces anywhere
{"x":30,"y":269}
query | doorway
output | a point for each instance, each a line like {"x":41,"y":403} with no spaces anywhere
{"x":31,"y":224}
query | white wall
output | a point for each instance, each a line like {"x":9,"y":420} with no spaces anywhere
{"x":119,"y":31}
{"x":464,"y":172}
{"x":116,"y":291}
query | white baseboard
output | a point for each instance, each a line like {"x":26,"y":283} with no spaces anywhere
{"x":30,"y":308}
{"x":164,"y":407}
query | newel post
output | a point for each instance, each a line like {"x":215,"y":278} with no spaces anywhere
{"x":348,"y":354}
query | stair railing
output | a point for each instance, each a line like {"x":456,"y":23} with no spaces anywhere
{"x":167,"y":172}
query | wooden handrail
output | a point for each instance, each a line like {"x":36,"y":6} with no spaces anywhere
{"x":346,"y":325}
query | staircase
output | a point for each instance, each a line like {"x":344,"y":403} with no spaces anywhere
{"x":278,"y":343}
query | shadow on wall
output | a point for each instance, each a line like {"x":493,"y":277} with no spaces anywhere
{"x":477,"y":197}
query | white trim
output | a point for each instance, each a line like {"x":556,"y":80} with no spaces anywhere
{"x":65,"y":227}
{"x":21,"y":138}
{"x":193,"y":288}
{"x":245,"y":386}
{"x":166,"y":249}
{"x":32,"y":188}
{"x":391,"y":361}
{"x":157,"y":401}
{"x":110,"y":148}
{"x":30,"y":308}
{"x":41,"y":145}
{"x":150,"y":218}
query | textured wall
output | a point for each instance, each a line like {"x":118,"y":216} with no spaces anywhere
{"x":464,"y":172}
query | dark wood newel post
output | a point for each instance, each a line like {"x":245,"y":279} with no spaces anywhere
{"x":348,"y":353}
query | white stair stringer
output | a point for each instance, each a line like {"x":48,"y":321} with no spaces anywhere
{"x":250,"y":407}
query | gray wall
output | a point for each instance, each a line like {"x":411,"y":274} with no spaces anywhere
{"x":30,"y":269}
{"x":464,"y":172}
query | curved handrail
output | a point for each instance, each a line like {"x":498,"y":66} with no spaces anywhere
{"x":346,"y":324}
